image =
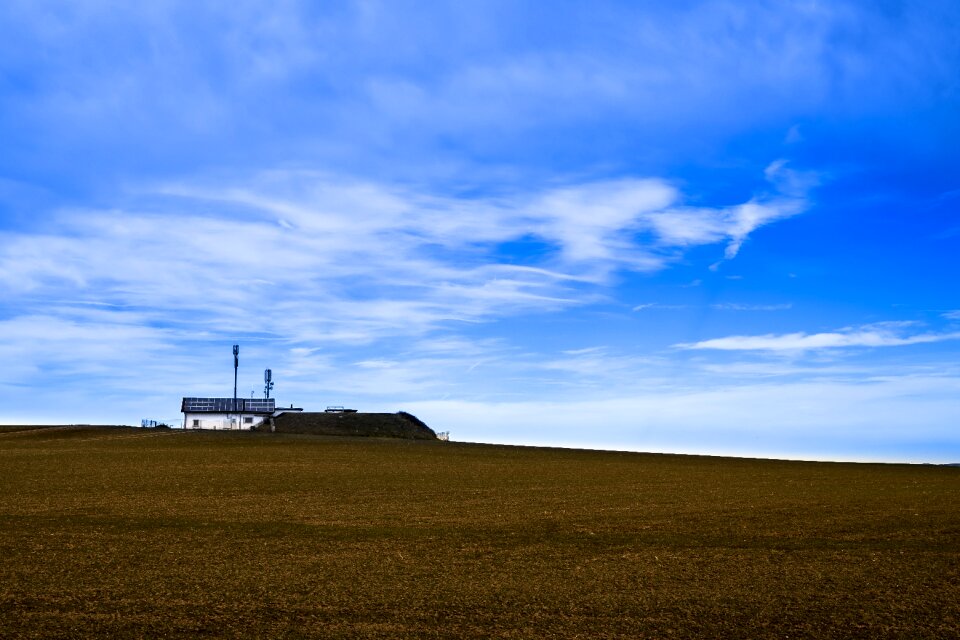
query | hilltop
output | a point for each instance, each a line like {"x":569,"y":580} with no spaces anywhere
{"x":378,"y":425}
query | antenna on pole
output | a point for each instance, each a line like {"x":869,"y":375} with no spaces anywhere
{"x":267,"y":383}
{"x":236,"y":364}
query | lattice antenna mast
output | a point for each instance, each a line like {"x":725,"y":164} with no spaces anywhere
{"x":236,"y":365}
{"x":267,"y":383}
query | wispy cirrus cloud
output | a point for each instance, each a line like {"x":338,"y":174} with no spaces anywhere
{"x":307,"y":244}
{"x":891,"y":334}
{"x":787,"y":196}
{"x":659,"y":305}
{"x":443,"y":76}
{"x":719,"y":306}
{"x":737,"y":306}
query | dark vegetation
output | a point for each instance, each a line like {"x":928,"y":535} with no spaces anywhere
{"x":166,"y":533}
{"x":382,"y":425}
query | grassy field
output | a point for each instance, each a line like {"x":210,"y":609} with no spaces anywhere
{"x":163,"y":533}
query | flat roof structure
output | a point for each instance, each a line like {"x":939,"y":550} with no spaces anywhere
{"x":228,"y":405}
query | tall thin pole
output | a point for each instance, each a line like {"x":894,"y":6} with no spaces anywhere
{"x":236,"y":364}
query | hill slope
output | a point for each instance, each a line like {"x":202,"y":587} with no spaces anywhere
{"x":172,"y":533}
{"x":378,"y":425}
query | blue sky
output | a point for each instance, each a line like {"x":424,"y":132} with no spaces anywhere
{"x":702,"y":227}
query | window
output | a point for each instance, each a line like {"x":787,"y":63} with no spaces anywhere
{"x":248,"y":420}
{"x":196,"y":424}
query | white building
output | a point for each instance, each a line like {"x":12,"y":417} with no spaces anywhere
{"x":225,"y":413}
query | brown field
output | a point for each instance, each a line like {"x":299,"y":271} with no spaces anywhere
{"x":164,"y":533}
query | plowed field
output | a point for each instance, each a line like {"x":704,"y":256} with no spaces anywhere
{"x":164,"y":533}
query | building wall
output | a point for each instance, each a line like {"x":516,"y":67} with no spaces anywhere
{"x":221,"y":421}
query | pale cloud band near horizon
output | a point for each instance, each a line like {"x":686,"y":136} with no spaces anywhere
{"x":878,"y":335}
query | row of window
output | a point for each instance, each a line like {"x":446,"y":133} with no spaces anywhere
{"x":246,"y":420}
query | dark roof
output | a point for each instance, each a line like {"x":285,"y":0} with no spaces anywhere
{"x":228,"y":405}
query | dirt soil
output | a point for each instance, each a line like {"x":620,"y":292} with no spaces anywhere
{"x":166,"y":533}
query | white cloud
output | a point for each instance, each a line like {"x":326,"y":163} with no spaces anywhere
{"x":743,"y":219}
{"x":952,"y":315}
{"x":735,"y":306}
{"x":593,"y":222}
{"x":876,"y":335}
{"x":685,"y":226}
{"x":784,"y":61}
{"x":720,"y":306}
{"x":593,"y":366}
{"x":658,"y":305}
{"x":747,"y":217}
{"x":791,"y":188}
{"x":76,"y":343}
{"x":689,"y":227}
{"x":308,"y":243}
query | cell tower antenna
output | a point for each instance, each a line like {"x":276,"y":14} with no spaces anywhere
{"x":236,"y":365}
{"x":267,"y":383}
